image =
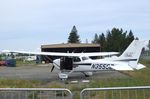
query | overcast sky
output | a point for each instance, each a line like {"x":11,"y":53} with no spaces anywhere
{"x":26,"y":24}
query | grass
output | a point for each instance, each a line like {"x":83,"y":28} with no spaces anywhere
{"x":25,"y":63}
{"x":146,"y":62}
{"x":9,"y":83}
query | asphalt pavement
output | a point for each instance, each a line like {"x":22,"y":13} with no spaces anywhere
{"x":43,"y":72}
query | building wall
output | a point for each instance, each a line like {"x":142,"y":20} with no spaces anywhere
{"x":70,"y":50}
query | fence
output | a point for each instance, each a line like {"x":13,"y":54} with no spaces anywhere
{"x":141,"y":92}
{"x":35,"y":93}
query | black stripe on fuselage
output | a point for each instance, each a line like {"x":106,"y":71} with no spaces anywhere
{"x":82,"y":64}
{"x":127,"y":60}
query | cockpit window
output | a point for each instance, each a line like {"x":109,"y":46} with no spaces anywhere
{"x":85,"y":58}
{"x":76,"y":59}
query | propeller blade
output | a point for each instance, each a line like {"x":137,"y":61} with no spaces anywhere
{"x":52,"y":68}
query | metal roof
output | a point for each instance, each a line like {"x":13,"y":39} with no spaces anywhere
{"x":69,"y":45}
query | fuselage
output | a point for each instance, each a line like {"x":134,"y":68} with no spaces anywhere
{"x":90,"y":65}
{"x":101,"y":64}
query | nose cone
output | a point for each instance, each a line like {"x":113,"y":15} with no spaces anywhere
{"x":56,"y":63}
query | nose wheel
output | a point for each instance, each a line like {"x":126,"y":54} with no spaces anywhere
{"x":63,"y":76}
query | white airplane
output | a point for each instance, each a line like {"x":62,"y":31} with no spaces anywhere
{"x":81,"y":62}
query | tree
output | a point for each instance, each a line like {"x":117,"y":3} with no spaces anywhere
{"x":109,"y":42}
{"x":115,"y":40}
{"x":73,"y":37}
{"x":96,"y":39}
{"x":130,"y":37}
{"x":102,"y":41}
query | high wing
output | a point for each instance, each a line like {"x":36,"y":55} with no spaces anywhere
{"x":65,"y":54}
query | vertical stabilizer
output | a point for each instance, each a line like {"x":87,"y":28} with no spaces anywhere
{"x":132,"y":53}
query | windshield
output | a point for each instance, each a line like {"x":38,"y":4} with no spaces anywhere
{"x":76,"y":59}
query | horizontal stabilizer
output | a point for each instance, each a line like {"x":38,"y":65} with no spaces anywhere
{"x":140,"y":66}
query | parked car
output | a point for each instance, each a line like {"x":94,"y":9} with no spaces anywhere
{"x":3,"y":63}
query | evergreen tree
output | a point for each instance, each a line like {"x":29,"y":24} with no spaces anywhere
{"x":109,"y":42}
{"x":102,"y":41}
{"x":96,"y":39}
{"x":115,"y":40}
{"x":73,"y":37}
{"x":124,"y":43}
{"x":130,"y":37}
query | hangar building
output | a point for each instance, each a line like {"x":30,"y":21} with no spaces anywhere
{"x":69,"y":47}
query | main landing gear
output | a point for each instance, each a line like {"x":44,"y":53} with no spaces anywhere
{"x":87,"y":74}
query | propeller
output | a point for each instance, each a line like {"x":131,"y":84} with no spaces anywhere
{"x":54,"y":65}
{"x":52,"y":68}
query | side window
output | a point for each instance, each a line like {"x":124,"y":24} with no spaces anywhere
{"x":76,"y":59}
{"x":84,"y":58}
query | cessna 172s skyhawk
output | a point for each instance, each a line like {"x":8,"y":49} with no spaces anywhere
{"x":80,"y":62}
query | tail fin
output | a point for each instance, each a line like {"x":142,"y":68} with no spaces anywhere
{"x":132,"y":53}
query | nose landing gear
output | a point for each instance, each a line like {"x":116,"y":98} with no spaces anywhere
{"x":63,"y":76}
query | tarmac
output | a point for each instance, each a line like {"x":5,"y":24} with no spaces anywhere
{"x":43,"y":73}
